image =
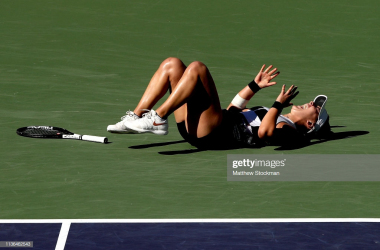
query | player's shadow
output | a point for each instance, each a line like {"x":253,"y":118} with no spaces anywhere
{"x":331,"y":137}
{"x":159,"y":144}
{"x":156,"y":144}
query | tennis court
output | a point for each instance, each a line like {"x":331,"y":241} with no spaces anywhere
{"x":81,"y":65}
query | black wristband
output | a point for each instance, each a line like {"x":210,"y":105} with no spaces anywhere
{"x":278,"y":105}
{"x":254,"y":86}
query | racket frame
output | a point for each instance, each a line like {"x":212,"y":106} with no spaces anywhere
{"x":61,"y":134}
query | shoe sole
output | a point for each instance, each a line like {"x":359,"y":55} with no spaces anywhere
{"x":121,"y":132}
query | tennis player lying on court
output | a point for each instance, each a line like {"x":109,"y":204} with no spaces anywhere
{"x":203,"y":123}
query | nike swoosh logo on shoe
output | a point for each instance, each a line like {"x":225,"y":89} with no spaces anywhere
{"x":158,"y":124}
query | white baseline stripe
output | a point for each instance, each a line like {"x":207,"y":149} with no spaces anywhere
{"x":69,"y":221}
{"x":65,"y":228}
{"x":66,"y":223}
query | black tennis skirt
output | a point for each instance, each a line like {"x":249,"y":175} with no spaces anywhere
{"x":226,"y":136}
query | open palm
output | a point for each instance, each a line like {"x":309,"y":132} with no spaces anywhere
{"x":264,"y":77}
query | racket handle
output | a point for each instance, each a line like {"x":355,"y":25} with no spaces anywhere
{"x":94,"y":138}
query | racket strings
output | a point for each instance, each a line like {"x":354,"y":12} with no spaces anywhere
{"x":41,"y":132}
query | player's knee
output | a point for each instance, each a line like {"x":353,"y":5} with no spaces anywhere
{"x":198,"y":67}
{"x":172,"y":63}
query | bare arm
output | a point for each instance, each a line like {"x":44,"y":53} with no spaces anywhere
{"x":263,"y":80}
{"x":268,"y":124}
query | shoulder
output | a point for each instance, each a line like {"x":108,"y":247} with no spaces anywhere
{"x":284,"y":124}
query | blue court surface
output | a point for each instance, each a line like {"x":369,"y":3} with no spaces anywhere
{"x":196,"y":234}
{"x":43,"y":235}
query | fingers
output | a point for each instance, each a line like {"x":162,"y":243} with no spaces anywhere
{"x":291,"y":90}
{"x":277,"y":73}
{"x":272,"y":74}
{"x":272,"y":71}
{"x":267,"y":70}
{"x":285,"y":97}
{"x":262,"y":68}
{"x":292,"y":96}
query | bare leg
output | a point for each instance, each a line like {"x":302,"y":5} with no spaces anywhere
{"x":169,"y":72}
{"x":194,"y":100}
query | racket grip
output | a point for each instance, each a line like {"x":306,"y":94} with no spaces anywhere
{"x":94,"y":138}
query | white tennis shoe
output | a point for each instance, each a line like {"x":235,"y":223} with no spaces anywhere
{"x":119,"y":127}
{"x":149,"y":123}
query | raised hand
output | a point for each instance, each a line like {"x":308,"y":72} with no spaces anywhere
{"x":264,"y":77}
{"x":286,"y":96}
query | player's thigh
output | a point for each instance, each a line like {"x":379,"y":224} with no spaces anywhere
{"x":181,"y":113}
{"x":202,"y":111}
{"x":199,"y":122}
{"x":203,"y":115}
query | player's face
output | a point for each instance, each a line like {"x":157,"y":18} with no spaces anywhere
{"x":308,"y":111}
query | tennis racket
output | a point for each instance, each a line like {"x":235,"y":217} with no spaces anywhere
{"x":56,"y":133}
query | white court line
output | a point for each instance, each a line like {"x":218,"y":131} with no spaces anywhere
{"x":65,"y":228}
{"x":66,"y":223}
{"x":70,"y":221}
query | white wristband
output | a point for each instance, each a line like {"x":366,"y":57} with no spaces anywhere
{"x":239,"y":102}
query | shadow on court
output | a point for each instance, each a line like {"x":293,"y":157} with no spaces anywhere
{"x":331,"y":137}
{"x":156,"y":144}
{"x":175,"y":152}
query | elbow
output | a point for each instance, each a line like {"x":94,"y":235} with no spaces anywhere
{"x":234,"y":108}
{"x":264,"y":134}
